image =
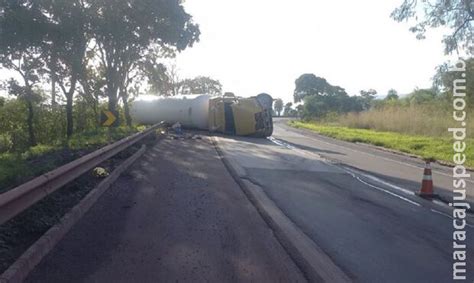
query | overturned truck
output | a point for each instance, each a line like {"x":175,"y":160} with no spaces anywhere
{"x":228,"y":114}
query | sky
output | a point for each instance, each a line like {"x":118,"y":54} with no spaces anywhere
{"x":264,"y":46}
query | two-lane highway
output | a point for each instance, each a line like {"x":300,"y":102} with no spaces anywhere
{"x":362,"y":214}
{"x":179,"y":216}
{"x":396,"y":168}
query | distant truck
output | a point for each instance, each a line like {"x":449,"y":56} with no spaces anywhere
{"x":227,"y":114}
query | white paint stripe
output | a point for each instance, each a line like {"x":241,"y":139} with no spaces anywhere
{"x":280,"y":143}
{"x":449,"y":216}
{"x":360,"y":180}
{"x":441,"y":213}
{"x":377,"y":156}
{"x":383,"y":190}
{"x":353,"y":174}
{"x":405,"y":191}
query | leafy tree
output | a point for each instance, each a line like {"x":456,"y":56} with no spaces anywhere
{"x":299,"y":110}
{"x":23,"y":28}
{"x":126,"y":30}
{"x":309,"y":84}
{"x":420,"y":96}
{"x":445,"y":79}
{"x":321,"y":98}
{"x":157,"y":76}
{"x":392,"y":95}
{"x":67,"y":51}
{"x":457,"y":15}
{"x":201,"y":85}
{"x":287,"y":110}
{"x":55,"y":31}
{"x":278,"y":106}
{"x":367,"y":96}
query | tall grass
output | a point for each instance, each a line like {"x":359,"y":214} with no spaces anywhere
{"x":426,"y":120}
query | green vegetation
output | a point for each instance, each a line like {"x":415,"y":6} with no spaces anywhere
{"x":278,"y":106}
{"x":68,"y":60}
{"x":427,"y":120}
{"x":439,"y":148}
{"x":455,"y":16}
{"x":16,"y":168}
{"x":416,"y":123}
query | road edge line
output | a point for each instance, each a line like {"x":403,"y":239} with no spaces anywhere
{"x":315,"y":264}
{"x":20,"y":269}
{"x":441,"y":163}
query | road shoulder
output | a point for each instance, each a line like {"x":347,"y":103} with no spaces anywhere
{"x":177,"y":216}
{"x":315,"y":263}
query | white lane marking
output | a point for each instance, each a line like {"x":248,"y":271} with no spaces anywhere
{"x":354,"y":172}
{"x":350,"y":172}
{"x":449,"y":216}
{"x":373,"y":178}
{"x":377,"y":156}
{"x":440,"y":203}
{"x":383,"y":190}
{"x":441,"y":213}
{"x":280,"y":143}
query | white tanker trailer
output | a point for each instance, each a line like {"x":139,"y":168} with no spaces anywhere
{"x":226,"y":114}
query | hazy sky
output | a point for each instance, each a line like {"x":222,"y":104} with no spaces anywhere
{"x":263,"y":46}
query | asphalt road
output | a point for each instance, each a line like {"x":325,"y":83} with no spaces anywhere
{"x":396,"y":168}
{"x":357,"y":203}
{"x":178,"y":216}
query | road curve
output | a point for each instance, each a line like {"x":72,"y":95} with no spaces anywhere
{"x":365,"y":217}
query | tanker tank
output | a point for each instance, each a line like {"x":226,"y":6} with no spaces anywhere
{"x":227,"y":114}
{"x":191,"y":111}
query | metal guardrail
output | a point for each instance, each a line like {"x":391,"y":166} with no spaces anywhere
{"x":22,"y":197}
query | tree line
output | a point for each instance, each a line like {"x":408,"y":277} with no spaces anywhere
{"x":71,"y":58}
{"x":316,"y":98}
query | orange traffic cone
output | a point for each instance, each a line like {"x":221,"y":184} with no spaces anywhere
{"x":427,"y":183}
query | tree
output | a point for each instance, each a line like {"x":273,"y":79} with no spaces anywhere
{"x":159,"y":81}
{"x":23,"y":29}
{"x":201,"y":85}
{"x":367,"y":96}
{"x":287,"y":110}
{"x":457,"y":15}
{"x":420,"y":96}
{"x":309,"y":84}
{"x":278,"y":106}
{"x":57,"y":32}
{"x":300,"y":110}
{"x":321,"y":98}
{"x":445,"y":80}
{"x":392,"y":95}
{"x":127,"y":30}
{"x":67,"y":50}
{"x":174,"y":81}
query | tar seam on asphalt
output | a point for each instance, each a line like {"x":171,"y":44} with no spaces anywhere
{"x":353,"y":174}
{"x":386,"y":158}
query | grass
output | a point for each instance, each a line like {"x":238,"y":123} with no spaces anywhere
{"x":17,"y":168}
{"x":439,"y":148}
{"x":425,"y":120}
